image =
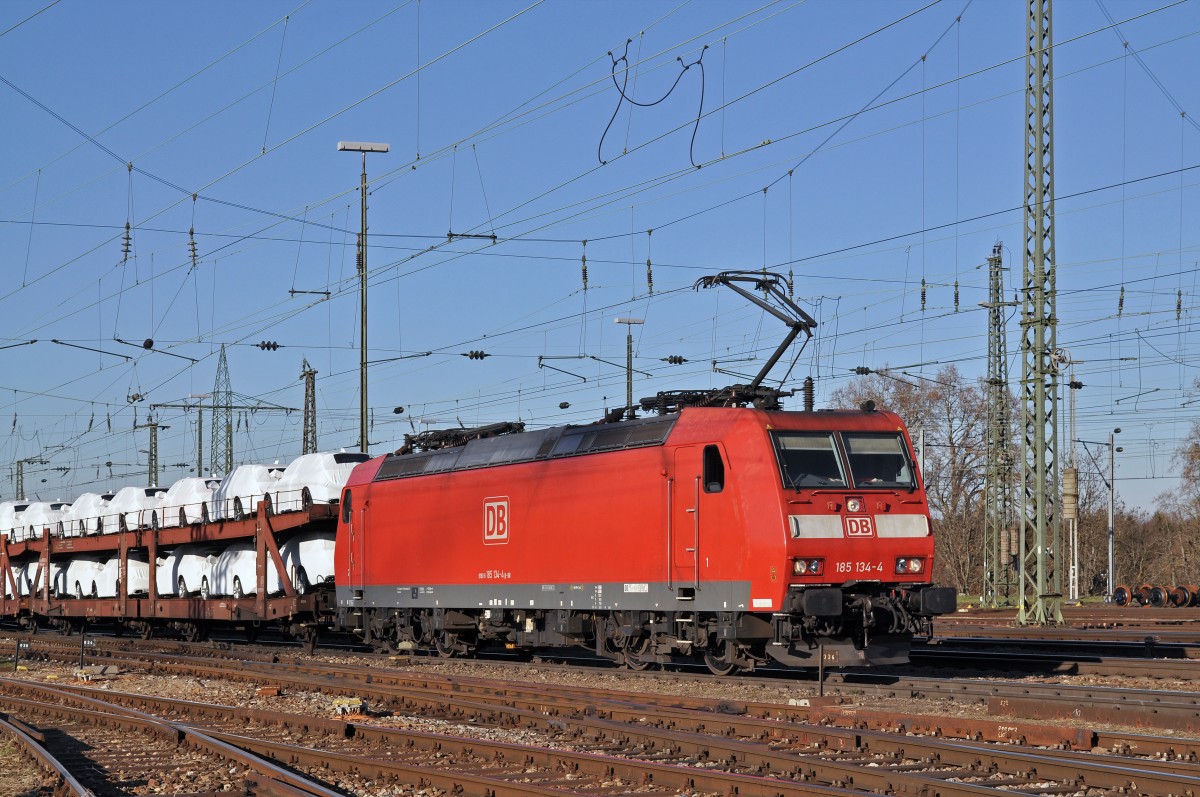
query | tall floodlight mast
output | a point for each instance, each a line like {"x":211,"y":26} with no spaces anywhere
{"x":1000,"y":575}
{"x":1040,"y":592}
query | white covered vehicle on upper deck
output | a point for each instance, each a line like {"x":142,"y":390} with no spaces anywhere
{"x":239,"y":492}
{"x":10,"y":517}
{"x":187,"y":501}
{"x":39,"y":516}
{"x":85,"y":515}
{"x":134,"y":507}
{"x":314,"y":479}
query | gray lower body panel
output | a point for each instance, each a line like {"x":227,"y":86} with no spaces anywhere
{"x":725,"y":596}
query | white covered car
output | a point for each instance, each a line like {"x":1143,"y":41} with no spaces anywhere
{"x":10,"y":517}
{"x":308,"y":557}
{"x":85,"y":515}
{"x":239,"y":492}
{"x":42,"y":515}
{"x":134,"y":507}
{"x":186,"y":502}
{"x":185,"y":571}
{"x":314,"y":479}
{"x":235,"y":574}
{"x":30,"y":580}
{"x":98,"y":577}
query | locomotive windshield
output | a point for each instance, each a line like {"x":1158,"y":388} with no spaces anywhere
{"x":813,"y":459}
{"x":809,"y":459}
{"x":878,"y":460}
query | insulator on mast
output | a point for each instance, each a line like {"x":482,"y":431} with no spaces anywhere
{"x":649,"y":268}
{"x":1178,"y":304}
{"x":126,"y":244}
{"x":1121,"y":302}
{"x":956,"y":296}
{"x":791,"y":283}
{"x":807,"y":392}
{"x":583,"y":265}
{"x":922,"y":294}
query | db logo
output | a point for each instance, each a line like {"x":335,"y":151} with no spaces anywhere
{"x":859,"y":527}
{"x":495,"y":520}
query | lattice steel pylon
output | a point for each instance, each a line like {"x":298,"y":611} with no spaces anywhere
{"x":221,"y":461}
{"x":1041,"y":581}
{"x":309,"y":375}
{"x":1000,"y":574}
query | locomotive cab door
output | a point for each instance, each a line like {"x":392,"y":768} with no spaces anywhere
{"x":699,"y":472}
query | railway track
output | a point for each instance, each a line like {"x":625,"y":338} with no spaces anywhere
{"x":95,"y":747}
{"x":819,"y":742}
{"x":702,"y":746}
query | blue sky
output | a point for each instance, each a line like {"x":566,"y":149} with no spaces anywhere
{"x":501,"y":130}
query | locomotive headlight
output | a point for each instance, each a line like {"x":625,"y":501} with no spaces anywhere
{"x":901,"y":565}
{"x":854,"y":504}
{"x":807,"y":567}
{"x":909,"y":565}
{"x":915,"y":565}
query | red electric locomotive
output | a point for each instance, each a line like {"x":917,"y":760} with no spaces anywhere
{"x":737,"y":536}
{"x":713,"y":531}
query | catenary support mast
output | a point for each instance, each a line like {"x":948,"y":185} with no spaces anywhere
{"x":1040,"y":592}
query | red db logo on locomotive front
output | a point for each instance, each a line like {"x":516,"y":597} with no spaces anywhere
{"x":859,"y":526}
{"x":495,"y":520}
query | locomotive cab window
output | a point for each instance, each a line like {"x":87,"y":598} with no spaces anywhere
{"x":879,"y":460}
{"x":347,"y":511}
{"x":808,"y":459}
{"x":714,"y":470}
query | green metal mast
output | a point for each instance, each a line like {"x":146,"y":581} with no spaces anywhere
{"x":1041,"y":590}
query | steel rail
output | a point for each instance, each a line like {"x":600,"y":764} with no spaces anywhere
{"x":31,"y":742}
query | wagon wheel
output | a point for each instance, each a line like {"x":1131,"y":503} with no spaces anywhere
{"x":715,"y":659}
{"x":191,"y":632}
{"x":447,"y":645}
{"x":238,"y":514}
{"x":638,"y":654}
{"x":145,"y":631}
{"x":204,"y":588}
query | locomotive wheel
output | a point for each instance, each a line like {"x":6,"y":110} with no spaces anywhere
{"x":715,"y":660}
{"x":447,"y":645}
{"x":637,"y":654}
